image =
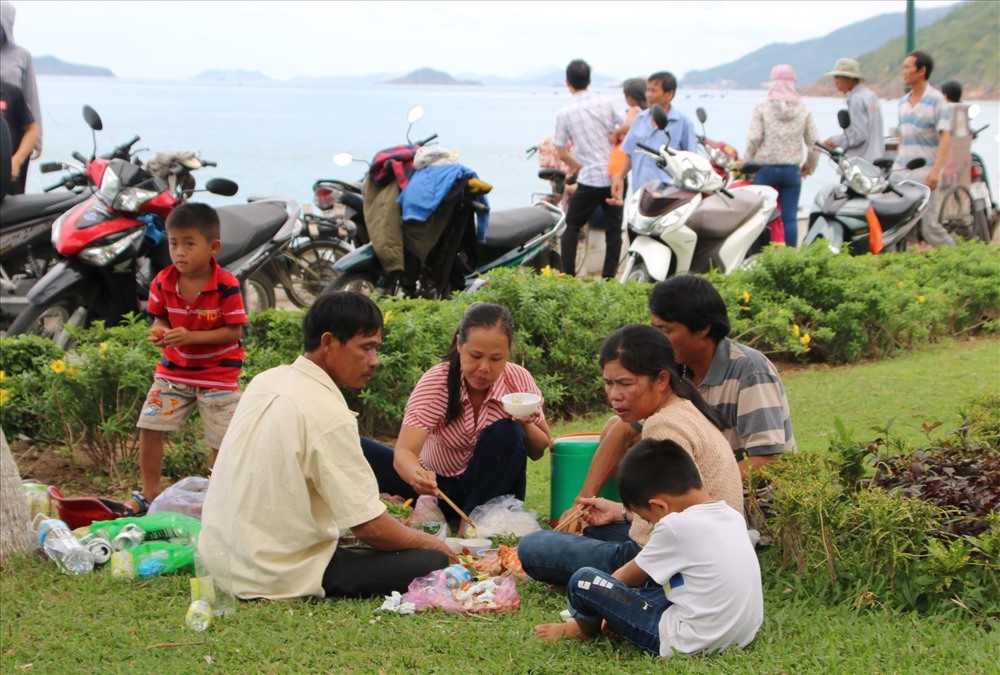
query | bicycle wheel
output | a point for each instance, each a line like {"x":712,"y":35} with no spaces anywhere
{"x":956,"y":214}
{"x":310,"y":269}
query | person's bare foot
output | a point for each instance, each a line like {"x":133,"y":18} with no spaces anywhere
{"x":557,"y":631}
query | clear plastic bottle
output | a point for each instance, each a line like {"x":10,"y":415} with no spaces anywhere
{"x":199,"y":615}
{"x":59,"y":544}
{"x":457,"y":574}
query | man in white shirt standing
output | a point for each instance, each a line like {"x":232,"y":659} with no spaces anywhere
{"x":864,"y":137}
{"x":588,"y":120}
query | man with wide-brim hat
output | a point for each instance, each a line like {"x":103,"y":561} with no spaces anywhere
{"x":863,"y":138}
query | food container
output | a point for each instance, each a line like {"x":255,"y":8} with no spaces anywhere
{"x":521,"y":404}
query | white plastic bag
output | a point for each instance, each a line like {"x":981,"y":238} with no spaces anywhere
{"x":504,"y":516}
{"x":186,"y":496}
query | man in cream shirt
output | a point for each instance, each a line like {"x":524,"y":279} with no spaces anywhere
{"x":291,"y":475}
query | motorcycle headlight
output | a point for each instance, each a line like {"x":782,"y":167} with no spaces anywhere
{"x":105,"y":255}
{"x":720,"y":158}
{"x":862,"y":176}
{"x":694,"y":179}
{"x":132,"y":199}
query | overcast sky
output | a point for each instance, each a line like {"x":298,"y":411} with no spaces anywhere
{"x":181,"y":38}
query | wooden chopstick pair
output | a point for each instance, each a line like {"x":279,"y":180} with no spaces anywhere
{"x":571,"y":517}
{"x":457,"y":510}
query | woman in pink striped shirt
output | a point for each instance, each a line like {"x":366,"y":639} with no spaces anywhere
{"x":456,"y":436}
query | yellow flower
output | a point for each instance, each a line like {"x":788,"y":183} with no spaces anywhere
{"x":58,"y":366}
{"x":746,"y":296}
{"x":103,"y":347}
{"x":3,"y":396}
{"x":388,"y":317}
{"x":806,"y":349}
{"x":921,"y":298}
{"x":795,"y":329}
{"x":2,"y":375}
{"x":805,"y":339}
{"x":72,"y":371}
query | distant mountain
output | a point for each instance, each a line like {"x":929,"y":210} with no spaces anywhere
{"x":964,"y":45}
{"x":237,"y":77}
{"x":812,"y":58}
{"x":50,"y":65}
{"x":429,"y":76}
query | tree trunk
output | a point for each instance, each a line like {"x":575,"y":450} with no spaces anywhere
{"x":14,"y":510}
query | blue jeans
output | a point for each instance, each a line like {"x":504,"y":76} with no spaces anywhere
{"x":786,"y":179}
{"x":633,"y":613}
{"x":553,"y":557}
{"x":498,"y":467}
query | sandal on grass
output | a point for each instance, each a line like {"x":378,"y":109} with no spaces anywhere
{"x":143,"y":503}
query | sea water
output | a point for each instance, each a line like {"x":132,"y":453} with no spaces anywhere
{"x":278,"y":140}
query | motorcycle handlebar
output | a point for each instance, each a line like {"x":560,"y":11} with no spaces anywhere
{"x":643,"y":146}
{"x":426,"y":140}
{"x":78,"y":157}
{"x":206,"y":162}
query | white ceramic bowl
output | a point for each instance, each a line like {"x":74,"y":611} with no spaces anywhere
{"x":521,"y":404}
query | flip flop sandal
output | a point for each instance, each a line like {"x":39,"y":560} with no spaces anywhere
{"x":143,"y":503}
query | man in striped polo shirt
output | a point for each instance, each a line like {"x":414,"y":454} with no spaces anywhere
{"x":738,"y":381}
{"x":925,"y":132}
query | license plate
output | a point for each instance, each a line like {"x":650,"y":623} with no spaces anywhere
{"x":979,"y":190}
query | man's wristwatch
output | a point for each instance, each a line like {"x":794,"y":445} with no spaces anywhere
{"x":624,"y":514}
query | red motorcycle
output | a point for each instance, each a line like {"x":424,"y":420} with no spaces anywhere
{"x":113,"y":244}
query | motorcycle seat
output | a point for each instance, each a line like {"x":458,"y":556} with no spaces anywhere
{"x":512,"y":227}
{"x":888,"y":205}
{"x":247,"y":226}
{"x":717,"y":216}
{"x":16,"y":209}
{"x":655,"y":201}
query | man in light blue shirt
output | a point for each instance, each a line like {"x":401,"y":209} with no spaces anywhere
{"x":660,"y":88}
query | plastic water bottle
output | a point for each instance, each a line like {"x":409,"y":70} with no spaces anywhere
{"x":59,"y":544}
{"x":199,"y":615}
{"x":456,"y":574}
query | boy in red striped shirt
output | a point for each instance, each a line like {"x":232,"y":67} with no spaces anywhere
{"x":198,"y":319}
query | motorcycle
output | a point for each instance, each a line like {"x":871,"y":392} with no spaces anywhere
{"x":726,"y":162}
{"x":26,"y":251}
{"x":113,"y":244}
{"x":694,"y":225}
{"x":866,"y":211}
{"x":458,"y":258}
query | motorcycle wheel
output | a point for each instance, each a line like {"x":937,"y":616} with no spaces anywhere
{"x":359,"y":282}
{"x":258,"y":294}
{"x":48,"y":321}
{"x":982,"y":226}
{"x":956,"y":212}
{"x":310,"y":269}
{"x":639,"y":273}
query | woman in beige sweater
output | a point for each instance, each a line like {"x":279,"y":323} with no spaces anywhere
{"x":643,"y":383}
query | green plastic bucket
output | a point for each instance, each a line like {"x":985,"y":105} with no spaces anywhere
{"x":571,"y":456}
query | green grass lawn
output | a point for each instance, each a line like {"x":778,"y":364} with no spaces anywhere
{"x":53,"y":623}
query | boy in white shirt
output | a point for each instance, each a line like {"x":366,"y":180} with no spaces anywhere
{"x":708,"y":595}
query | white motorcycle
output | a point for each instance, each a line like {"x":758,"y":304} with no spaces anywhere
{"x":694,"y":225}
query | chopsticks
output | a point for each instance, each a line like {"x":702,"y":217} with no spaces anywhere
{"x":457,"y":510}
{"x":571,"y":517}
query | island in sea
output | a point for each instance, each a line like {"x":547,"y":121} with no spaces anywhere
{"x":431,"y":76}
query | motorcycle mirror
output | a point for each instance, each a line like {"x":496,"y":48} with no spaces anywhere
{"x":843,"y":118}
{"x":974,"y":111}
{"x":702,"y":115}
{"x":916,"y":163}
{"x":343,"y":158}
{"x":222,"y":186}
{"x":416,"y":112}
{"x":92,"y":119}
{"x":659,"y":116}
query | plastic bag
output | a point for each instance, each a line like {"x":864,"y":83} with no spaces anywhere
{"x":186,"y":496}
{"x":163,"y":526}
{"x":427,"y":516}
{"x":504,"y":516}
{"x":494,"y":594}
